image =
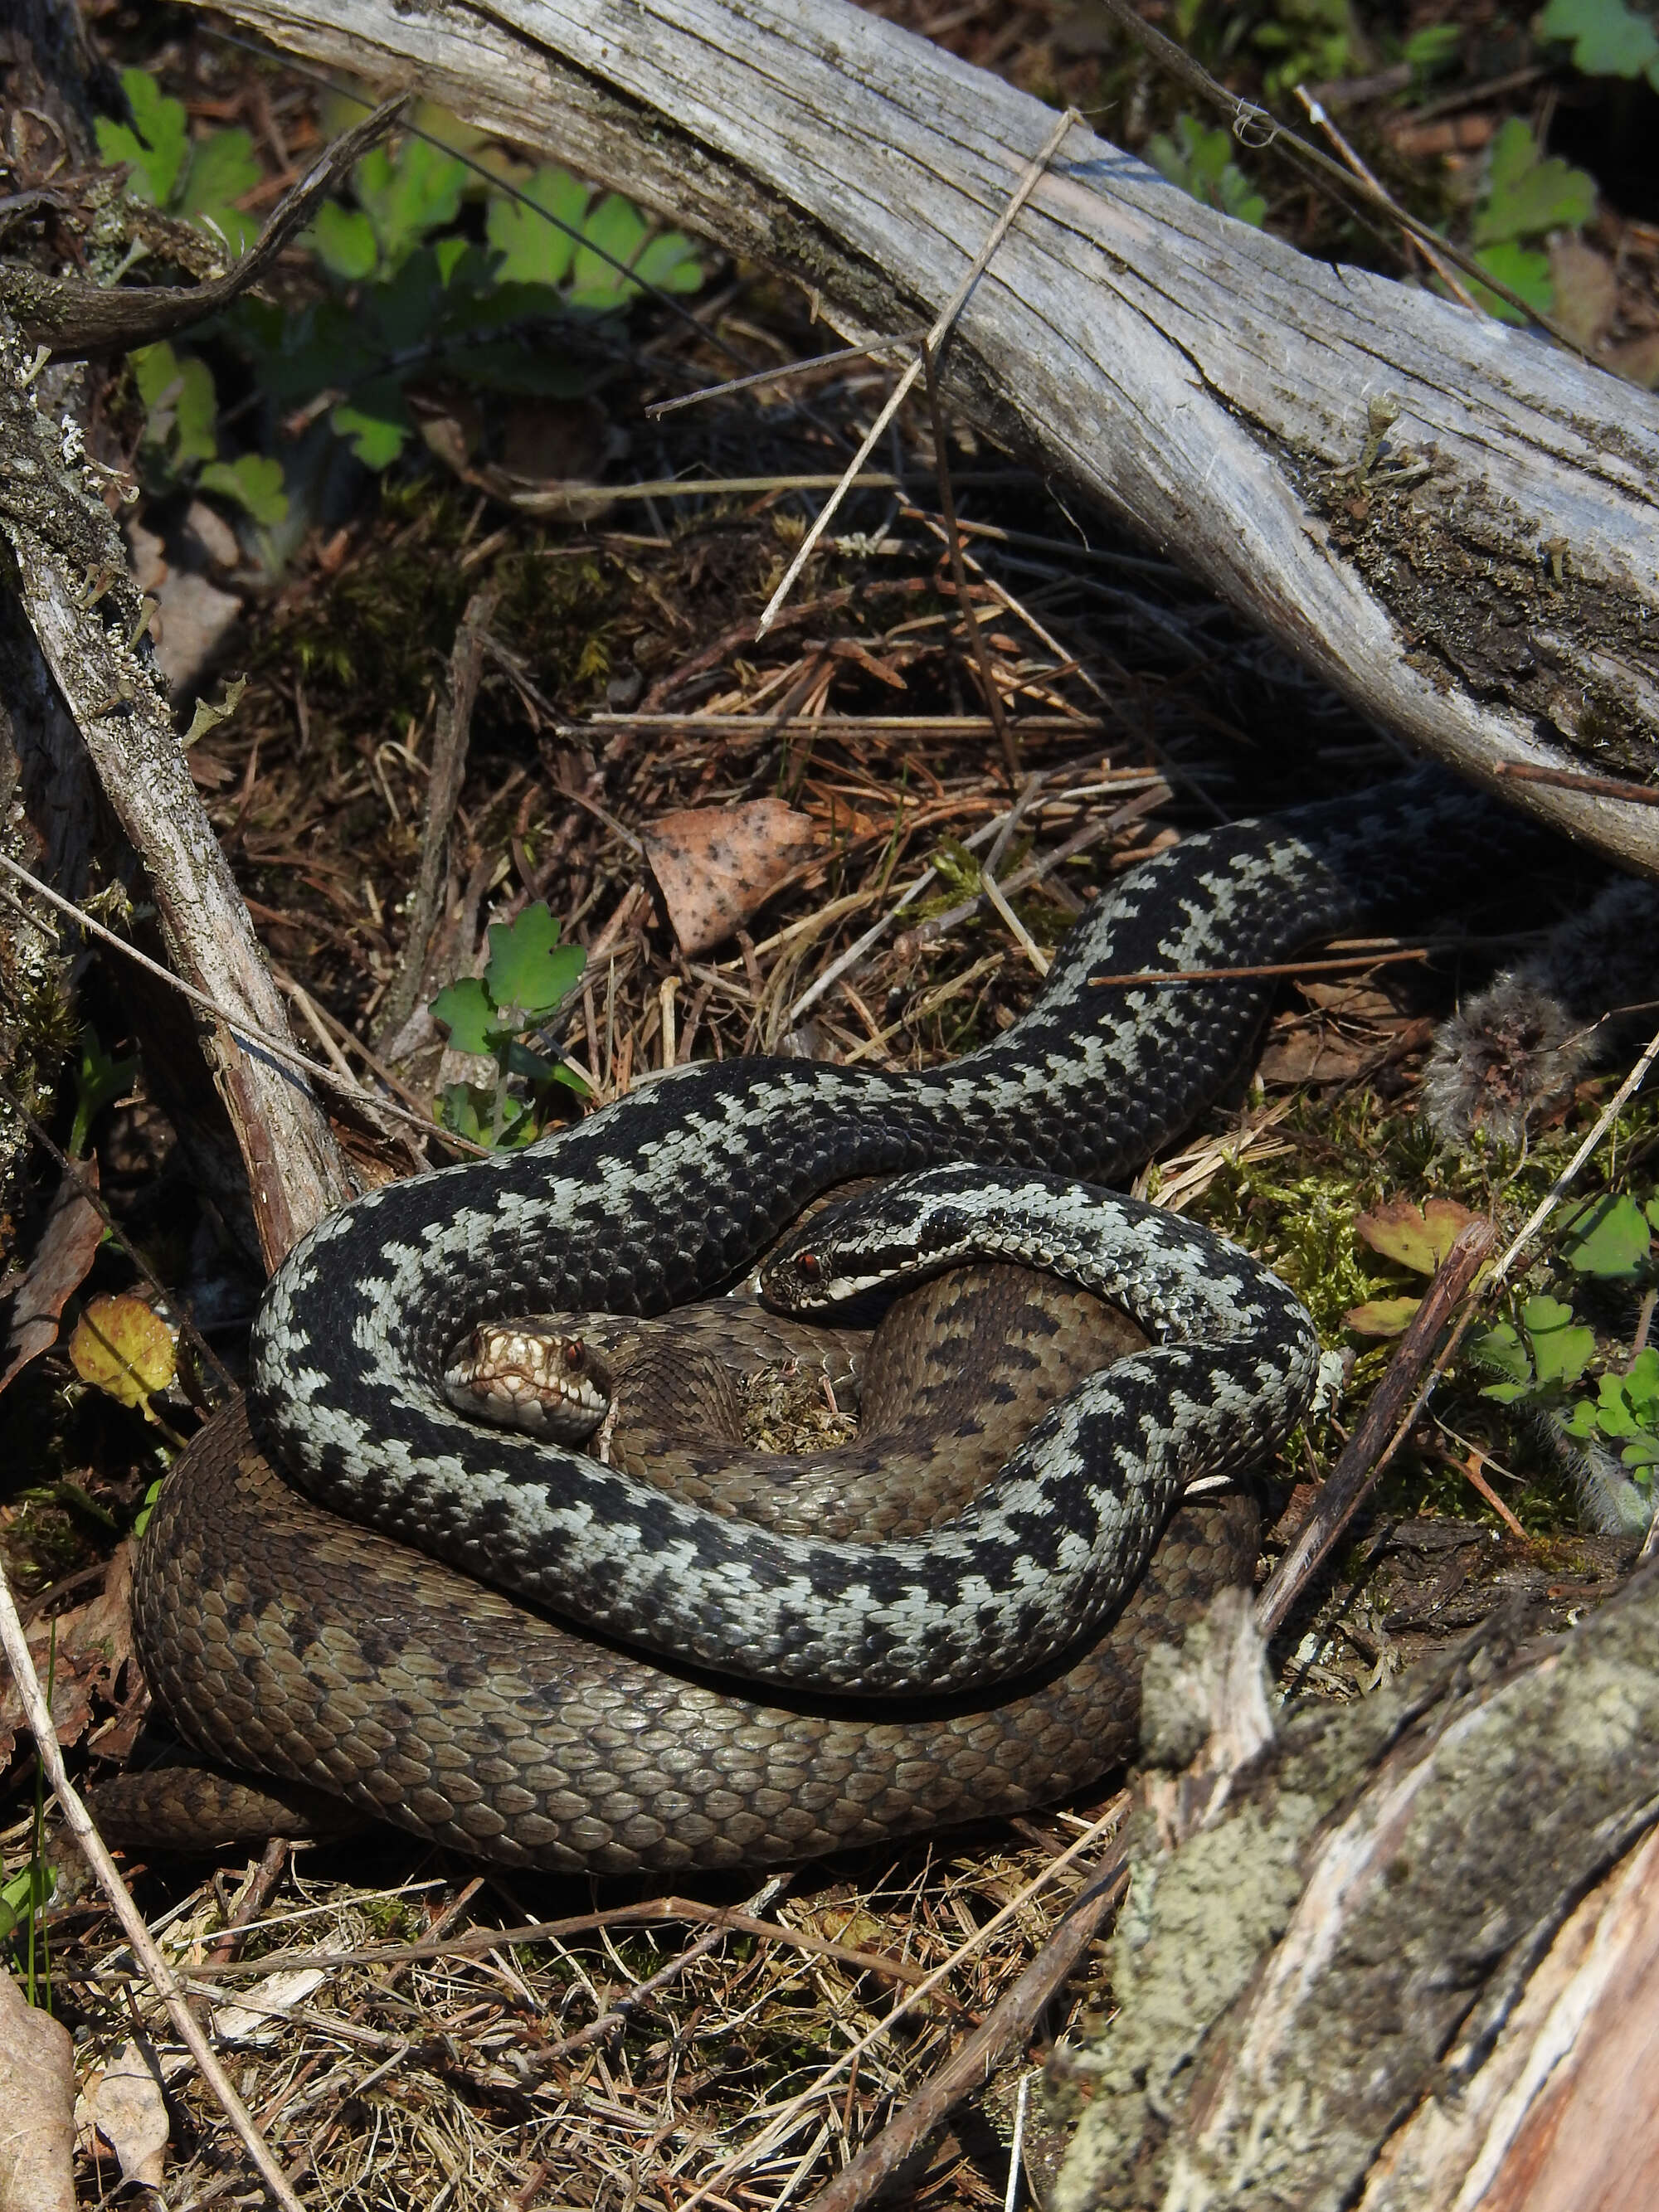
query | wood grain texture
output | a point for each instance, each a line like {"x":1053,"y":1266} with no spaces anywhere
{"x":1203,"y":379}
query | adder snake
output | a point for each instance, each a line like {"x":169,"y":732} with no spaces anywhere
{"x":596,"y":1756}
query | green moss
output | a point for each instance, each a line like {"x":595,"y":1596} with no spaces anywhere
{"x":1298,"y":1212}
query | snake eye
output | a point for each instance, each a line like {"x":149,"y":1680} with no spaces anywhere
{"x":575,"y":1354}
{"x":808,"y":1267}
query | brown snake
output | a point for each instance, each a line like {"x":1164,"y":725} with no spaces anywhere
{"x":279,"y":1636}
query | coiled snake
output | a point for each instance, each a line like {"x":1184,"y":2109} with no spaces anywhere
{"x":325,"y":1655}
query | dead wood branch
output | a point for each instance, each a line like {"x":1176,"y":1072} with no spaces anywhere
{"x":1450,"y":521}
{"x":71,"y":577}
{"x":69,"y":315}
{"x":1338,"y":1931}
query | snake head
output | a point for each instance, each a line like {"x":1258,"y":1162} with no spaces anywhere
{"x":526,"y":1375}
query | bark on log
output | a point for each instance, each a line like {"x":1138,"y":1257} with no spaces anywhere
{"x":1396,"y":1954}
{"x":71,"y":577}
{"x":1207,"y":382}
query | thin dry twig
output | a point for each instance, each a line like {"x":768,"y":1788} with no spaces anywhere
{"x":1144,"y":978}
{"x":947,"y":502}
{"x":1570,"y":779}
{"x":953,"y":306}
{"x":1012,"y":2021}
{"x":658,"y":408}
{"x":1436,"y":260}
{"x":449,"y":749}
{"x":279,"y":1049}
{"x":108,"y":1877}
{"x":784,"y":2119}
{"x":1372,"y":1445}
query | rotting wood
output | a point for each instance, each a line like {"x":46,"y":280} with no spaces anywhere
{"x":71,"y":577}
{"x":1207,"y":381}
{"x":1361,"y":1921}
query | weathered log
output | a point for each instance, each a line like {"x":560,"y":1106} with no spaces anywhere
{"x":80,"y":694}
{"x":1405,"y":1947}
{"x":1487,"y":587}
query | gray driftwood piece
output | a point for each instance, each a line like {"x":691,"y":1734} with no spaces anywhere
{"x":1207,"y":382}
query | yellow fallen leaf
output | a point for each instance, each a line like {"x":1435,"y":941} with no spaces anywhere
{"x":1414,"y":1237}
{"x":1382,"y":1316}
{"x":122,"y":1346}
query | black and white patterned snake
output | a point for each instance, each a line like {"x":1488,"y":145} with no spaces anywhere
{"x":884,"y":1685}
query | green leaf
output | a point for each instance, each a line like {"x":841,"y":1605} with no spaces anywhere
{"x":1526,"y":197}
{"x":222,"y":169}
{"x":375,"y":421}
{"x":617,"y":227}
{"x":29,"y":1893}
{"x":1427,"y":49}
{"x":161,"y":146}
{"x":408,"y":304}
{"x":1608,"y":1237}
{"x":99,"y":1081}
{"x":1608,"y":38}
{"x":467,"y":1110}
{"x":465,"y":1010}
{"x":1561,"y":1347}
{"x":407,"y":195}
{"x":1200,"y":161}
{"x":254,"y":480}
{"x":533,"y":250}
{"x":1642,"y":1386}
{"x":180,"y":405}
{"x":141,"y":1518}
{"x":1499,"y":1347}
{"x":528,"y":967}
{"x":1525,"y":272}
{"x":343,"y":240}
{"x":670,"y":261}
{"x":452,"y":254}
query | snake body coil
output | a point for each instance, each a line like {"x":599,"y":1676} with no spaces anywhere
{"x":676,"y":1190}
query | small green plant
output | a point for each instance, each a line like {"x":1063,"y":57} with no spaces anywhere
{"x":99,"y":1082}
{"x":412,"y":294}
{"x":198,"y":180}
{"x":529,"y":976}
{"x":1200,"y":161}
{"x":1625,"y":1411}
{"x":414,"y":298}
{"x":1543,"y":1356}
{"x":1525,"y":197}
{"x":1313,"y":40}
{"x":1433,"y":47}
{"x":1608,"y":38}
{"x":1538,"y":1356}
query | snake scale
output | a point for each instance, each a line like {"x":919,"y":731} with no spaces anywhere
{"x":473,"y":1717}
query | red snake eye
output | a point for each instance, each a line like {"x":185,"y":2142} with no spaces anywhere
{"x":575,"y":1354}
{"x":807,"y":1265}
